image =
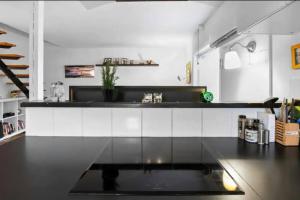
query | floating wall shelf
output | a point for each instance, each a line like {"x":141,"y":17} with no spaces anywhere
{"x":132,"y":65}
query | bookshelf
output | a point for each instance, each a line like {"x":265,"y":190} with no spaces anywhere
{"x":15,"y":124}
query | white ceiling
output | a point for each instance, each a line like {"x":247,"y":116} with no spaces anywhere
{"x":107,"y":23}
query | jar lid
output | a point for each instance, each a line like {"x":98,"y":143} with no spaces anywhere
{"x":242,"y":116}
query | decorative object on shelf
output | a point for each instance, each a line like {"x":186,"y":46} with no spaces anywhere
{"x":109,"y":79}
{"x":206,"y":97}
{"x":148,"y":98}
{"x":107,"y":60}
{"x":15,"y":93}
{"x":188,"y":73}
{"x":157,"y":97}
{"x":127,"y":62}
{"x":295,"y":56}
{"x":79,"y":71}
{"x":57,"y":92}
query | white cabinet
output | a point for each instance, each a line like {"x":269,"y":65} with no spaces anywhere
{"x":187,"y":122}
{"x":126,"y":122}
{"x":157,"y":122}
{"x":217,"y":122}
{"x":67,"y":122}
{"x":96,"y":122}
{"x":39,"y":122}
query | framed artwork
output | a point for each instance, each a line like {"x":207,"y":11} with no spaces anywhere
{"x":296,"y":56}
{"x":79,"y":71}
{"x":188,"y":73}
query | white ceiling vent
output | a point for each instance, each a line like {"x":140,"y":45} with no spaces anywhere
{"x":94,"y":4}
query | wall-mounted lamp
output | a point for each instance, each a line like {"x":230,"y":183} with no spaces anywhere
{"x":232,"y":59}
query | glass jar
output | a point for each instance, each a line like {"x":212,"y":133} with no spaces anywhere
{"x":251,"y":130}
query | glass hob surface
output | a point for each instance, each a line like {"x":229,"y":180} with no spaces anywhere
{"x":155,"y":166}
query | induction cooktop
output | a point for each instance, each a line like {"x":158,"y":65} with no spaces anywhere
{"x":155,"y":166}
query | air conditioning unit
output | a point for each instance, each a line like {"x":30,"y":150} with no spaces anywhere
{"x":227,"y":37}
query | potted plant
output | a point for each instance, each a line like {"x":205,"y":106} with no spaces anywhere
{"x":109,"y":80}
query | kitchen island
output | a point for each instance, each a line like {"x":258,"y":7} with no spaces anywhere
{"x":135,"y":119}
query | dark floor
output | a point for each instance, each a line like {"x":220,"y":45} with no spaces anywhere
{"x":42,"y":168}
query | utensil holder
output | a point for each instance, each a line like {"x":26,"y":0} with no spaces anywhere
{"x":287,"y":134}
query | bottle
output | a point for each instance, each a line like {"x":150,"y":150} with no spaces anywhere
{"x":241,"y":126}
{"x":251,"y":131}
{"x":260,"y":134}
{"x":267,"y":136}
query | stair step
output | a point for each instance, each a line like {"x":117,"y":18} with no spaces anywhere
{"x":2,"y":32}
{"x":17,"y":66}
{"x":6,"y":45}
{"x":10,"y":56}
{"x":11,"y":83}
{"x":18,"y":75}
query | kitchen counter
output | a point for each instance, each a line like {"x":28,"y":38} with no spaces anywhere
{"x":134,"y":119}
{"x":47,"y":168}
{"x":143,"y":105}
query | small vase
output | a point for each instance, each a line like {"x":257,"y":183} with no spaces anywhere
{"x":108,"y":95}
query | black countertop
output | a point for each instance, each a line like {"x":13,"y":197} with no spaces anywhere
{"x":47,"y":168}
{"x":143,"y":105}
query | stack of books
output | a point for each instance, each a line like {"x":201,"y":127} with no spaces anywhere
{"x":21,"y":125}
{"x":6,"y":128}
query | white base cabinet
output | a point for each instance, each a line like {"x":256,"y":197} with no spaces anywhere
{"x":187,"y":122}
{"x":157,"y":122}
{"x":67,"y":122}
{"x":135,"y":122}
{"x":126,"y":122}
{"x":40,"y":122}
{"x":96,"y":122}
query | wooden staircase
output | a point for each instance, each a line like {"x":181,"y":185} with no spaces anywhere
{"x":7,"y":69}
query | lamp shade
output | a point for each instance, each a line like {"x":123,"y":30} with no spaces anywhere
{"x":232,"y":60}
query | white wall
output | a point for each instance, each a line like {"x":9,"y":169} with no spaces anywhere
{"x":172,"y":62}
{"x":207,"y":72}
{"x":22,"y":48}
{"x":250,"y":82}
{"x":286,"y":81}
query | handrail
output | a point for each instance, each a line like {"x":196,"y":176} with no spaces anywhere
{"x":14,"y":78}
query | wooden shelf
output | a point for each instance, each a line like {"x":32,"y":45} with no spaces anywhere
{"x":6,"y":45}
{"x":15,"y":66}
{"x":131,"y":65}
{"x":11,"y":56}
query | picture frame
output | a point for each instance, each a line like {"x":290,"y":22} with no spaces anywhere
{"x":79,"y":71}
{"x":295,"y":56}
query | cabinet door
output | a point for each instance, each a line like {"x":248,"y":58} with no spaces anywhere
{"x":67,"y":122}
{"x":126,"y":122}
{"x":156,"y":122}
{"x":217,"y":122}
{"x":96,"y":122}
{"x":39,"y":122}
{"x":187,"y":122}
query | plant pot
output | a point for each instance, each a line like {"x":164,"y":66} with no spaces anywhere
{"x":108,"y":95}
